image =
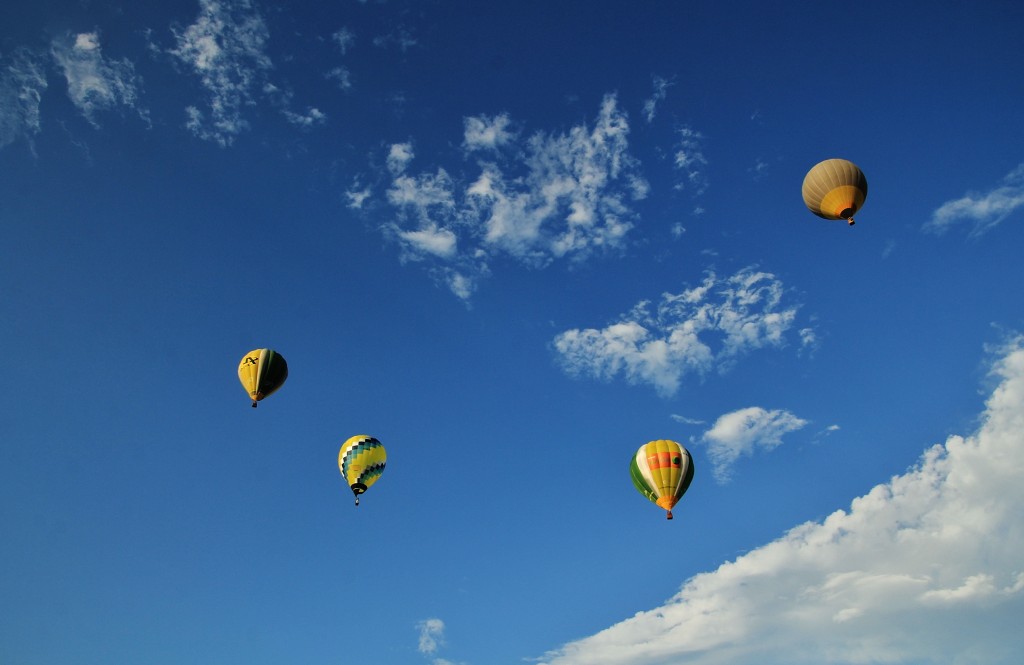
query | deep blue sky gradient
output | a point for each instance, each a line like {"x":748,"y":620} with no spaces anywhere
{"x":149,"y":515}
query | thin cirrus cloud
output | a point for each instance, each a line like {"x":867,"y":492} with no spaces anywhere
{"x":695,"y":331}
{"x":742,"y":432}
{"x":543,"y":198}
{"x":95,"y":83}
{"x":923,"y":568}
{"x":981,"y":211}
{"x":22,"y":84}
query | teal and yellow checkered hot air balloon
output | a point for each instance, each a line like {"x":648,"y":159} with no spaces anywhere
{"x":361,"y":460}
{"x":662,"y":471}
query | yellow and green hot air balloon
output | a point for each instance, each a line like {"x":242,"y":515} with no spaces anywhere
{"x":262,"y":371}
{"x":835,"y":189}
{"x":662,"y":471}
{"x":361,"y":460}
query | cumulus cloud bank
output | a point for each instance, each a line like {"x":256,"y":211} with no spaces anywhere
{"x":981,"y":211}
{"x":924,"y":568}
{"x":539,"y":199}
{"x":695,"y":331}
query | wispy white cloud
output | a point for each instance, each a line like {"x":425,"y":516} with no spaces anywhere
{"x":345,"y":39}
{"x":981,"y":211}
{"x":342,"y":76}
{"x":22,"y":83}
{"x":686,"y":420}
{"x":808,"y":339}
{"x":226,"y":49}
{"x":740,"y":433}
{"x":483,"y":133}
{"x":431,"y":635}
{"x":923,"y":568}
{"x":95,"y":83}
{"x":540,"y":199}
{"x":690,"y":161}
{"x":312,"y":116}
{"x":401,"y":37}
{"x":661,"y":86}
{"x":399,"y":156}
{"x":357,"y":196}
{"x":700,"y":329}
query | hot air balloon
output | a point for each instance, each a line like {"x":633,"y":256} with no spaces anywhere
{"x":361,"y":460}
{"x":835,"y":189}
{"x":662,"y":471}
{"x":262,"y":371}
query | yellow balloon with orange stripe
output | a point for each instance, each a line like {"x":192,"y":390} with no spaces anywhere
{"x":835,"y":189}
{"x":662,"y":471}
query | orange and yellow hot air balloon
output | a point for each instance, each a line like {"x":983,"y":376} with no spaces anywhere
{"x":835,"y":189}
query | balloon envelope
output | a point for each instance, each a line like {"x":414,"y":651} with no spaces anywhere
{"x":361,"y":459}
{"x":835,"y":189}
{"x":662,"y":471}
{"x":262,"y":371}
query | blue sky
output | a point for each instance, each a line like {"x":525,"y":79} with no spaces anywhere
{"x":514,"y":243}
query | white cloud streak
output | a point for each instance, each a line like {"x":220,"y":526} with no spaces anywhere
{"x":225,"y":48}
{"x":690,"y":161}
{"x":94,"y":83}
{"x":344,"y":38}
{"x":548,"y":197}
{"x":695,"y":331}
{"x":741,"y":432}
{"x":981,"y":211}
{"x":342,"y":76}
{"x":311,"y":117}
{"x":686,"y":420}
{"x":923,"y":568}
{"x":483,"y":133}
{"x":22,"y":83}
{"x":661,"y":86}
